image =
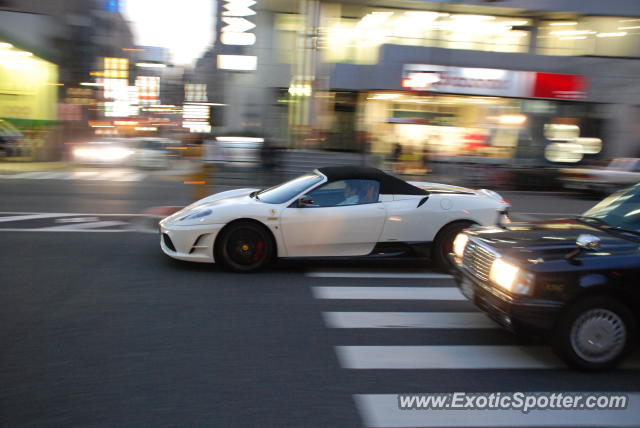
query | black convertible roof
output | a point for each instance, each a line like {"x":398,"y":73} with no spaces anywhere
{"x":389,"y":185}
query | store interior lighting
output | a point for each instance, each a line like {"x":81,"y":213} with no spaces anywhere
{"x":512,"y":119}
{"x":150,"y":65}
{"x":384,"y":96}
{"x":618,"y":34}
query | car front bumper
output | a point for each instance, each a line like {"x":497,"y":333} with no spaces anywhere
{"x":189,"y":243}
{"x":514,"y":314}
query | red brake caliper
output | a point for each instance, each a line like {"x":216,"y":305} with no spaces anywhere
{"x":257,"y":255}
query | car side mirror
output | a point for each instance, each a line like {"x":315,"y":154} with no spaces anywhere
{"x":585,"y":242}
{"x":588,"y":242}
{"x":305,"y":201}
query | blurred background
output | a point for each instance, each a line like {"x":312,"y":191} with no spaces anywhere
{"x":512,"y":94}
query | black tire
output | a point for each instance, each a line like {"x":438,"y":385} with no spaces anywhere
{"x":443,"y":244}
{"x":578,"y":338}
{"x":244,"y":247}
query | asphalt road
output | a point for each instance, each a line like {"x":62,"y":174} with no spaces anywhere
{"x":100,"y":329}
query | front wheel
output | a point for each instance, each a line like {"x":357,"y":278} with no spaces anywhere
{"x":443,"y":244}
{"x":244,"y":247}
{"x":594,"y":333}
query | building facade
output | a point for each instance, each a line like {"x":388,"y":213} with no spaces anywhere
{"x":503,"y":79}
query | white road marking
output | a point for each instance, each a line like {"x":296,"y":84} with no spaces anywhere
{"x":410,"y":275}
{"x":67,"y":220}
{"x":381,"y":410}
{"x":131,"y":177}
{"x":83,"y":175}
{"x":471,"y":320}
{"x":447,"y":357}
{"x":388,"y":293}
{"x":5,"y":219}
{"x":25,"y":175}
{"x":117,"y":175}
{"x":78,"y":226}
{"x":66,"y":230}
{"x":72,"y":214}
{"x":454,"y":357}
{"x":48,"y":175}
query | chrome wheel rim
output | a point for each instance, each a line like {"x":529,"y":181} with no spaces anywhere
{"x":598,"y":335}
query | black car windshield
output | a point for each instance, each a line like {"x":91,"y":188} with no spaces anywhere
{"x":284,"y":192}
{"x":620,"y":210}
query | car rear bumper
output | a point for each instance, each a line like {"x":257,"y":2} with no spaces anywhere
{"x":514,"y":315}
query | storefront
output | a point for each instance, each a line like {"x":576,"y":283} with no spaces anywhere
{"x":28,"y":100}
{"x":462,"y":111}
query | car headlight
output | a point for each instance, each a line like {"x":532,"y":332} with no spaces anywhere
{"x":503,"y":218}
{"x":511,"y":278}
{"x":196,"y":215}
{"x":459,"y":244}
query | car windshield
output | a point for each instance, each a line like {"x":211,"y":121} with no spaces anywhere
{"x":620,"y":210}
{"x":284,"y":192}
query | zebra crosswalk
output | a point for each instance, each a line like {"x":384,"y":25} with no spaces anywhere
{"x":444,"y":344}
{"x":120,"y":175}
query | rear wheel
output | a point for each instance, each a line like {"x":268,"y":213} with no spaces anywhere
{"x":443,"y":244}
{"x":594,"y":333}
{"x":244,"y":247}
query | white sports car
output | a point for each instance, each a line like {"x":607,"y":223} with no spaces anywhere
{"x":330,"y":212}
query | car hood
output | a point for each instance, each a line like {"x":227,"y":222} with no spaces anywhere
{"x":229,"y":194}
{"x":549,"y":240}
{"x":236,"y":197}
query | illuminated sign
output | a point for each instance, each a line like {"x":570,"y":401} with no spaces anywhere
{"x":493,"y":82}
{"x":116,"y":68}
{"x":195,"y":92}
{"x":191,"y":111}
{"x":560,"y":86}
{"x":466,"y":80}
{"x":236,"y":30}
{"x":148,"y":89}
{"x":237,"y":62}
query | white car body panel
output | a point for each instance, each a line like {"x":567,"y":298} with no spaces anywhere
{"x":336,"y":231}
{"x":332,"y":231}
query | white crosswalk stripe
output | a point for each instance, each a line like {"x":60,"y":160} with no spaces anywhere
{"x":379,"y":360}
{"x":398,"y":275}
{"x":407,"y":320}
{"x":108,"y":175}
{"x":388,"y":293}
{"x":451,"y":357}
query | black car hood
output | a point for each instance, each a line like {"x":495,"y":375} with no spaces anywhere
{"x":550,"y":240}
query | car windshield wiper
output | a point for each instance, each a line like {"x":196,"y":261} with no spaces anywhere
{"x":254,"y":194}
{"x":606,"y":225}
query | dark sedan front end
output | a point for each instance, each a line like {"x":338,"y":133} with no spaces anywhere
{"x":501,"y":288}
{"x":573,"y":279}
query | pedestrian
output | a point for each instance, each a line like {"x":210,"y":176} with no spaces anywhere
{"x":268,"y":159}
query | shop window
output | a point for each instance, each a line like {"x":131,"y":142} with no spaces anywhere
{"x":599,"y":36}
{"x":358,"y":40}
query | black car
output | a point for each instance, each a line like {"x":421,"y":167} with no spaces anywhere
{"x":576,"y":280}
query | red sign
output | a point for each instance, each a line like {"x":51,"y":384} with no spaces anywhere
{"x":560,"y":86}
